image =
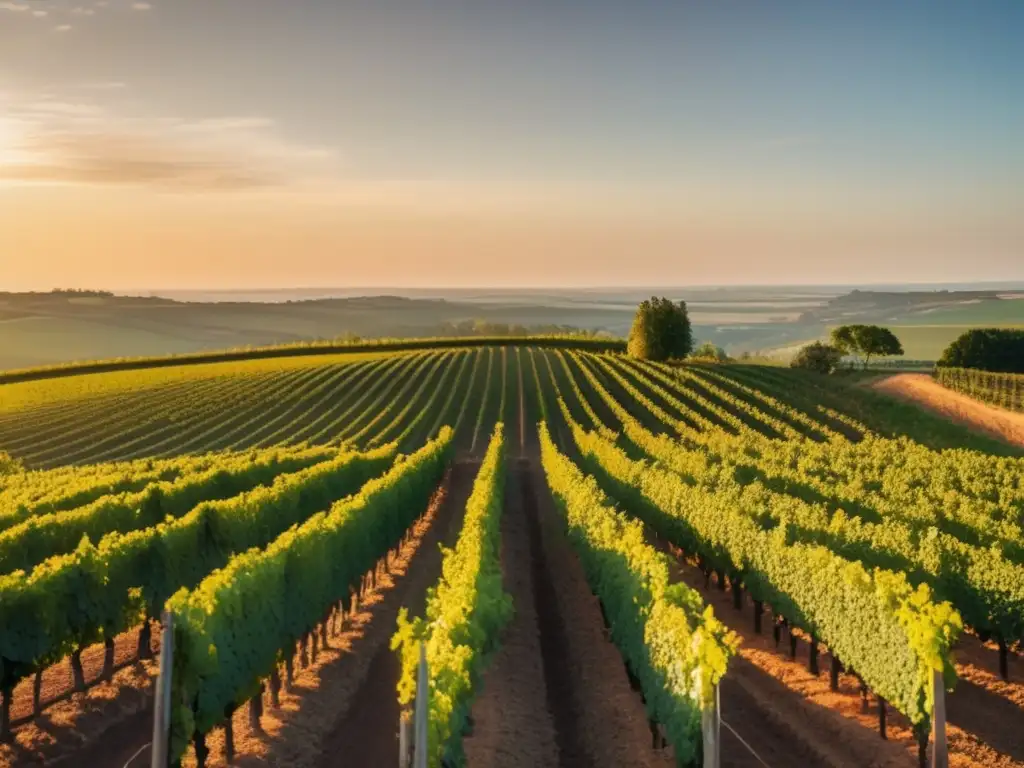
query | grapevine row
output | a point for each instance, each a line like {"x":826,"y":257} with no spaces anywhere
{"x":71,"y":601}
{"x":465,"y":614}
{"x":673,"y":645}
{"x":42,"y":536}
{"x":222,"y":654}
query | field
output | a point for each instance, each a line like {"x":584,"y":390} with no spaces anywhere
{"x":928,"y":342}
{"x":631,"y":538}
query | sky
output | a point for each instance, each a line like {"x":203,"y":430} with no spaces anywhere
{"x":428,"y":143}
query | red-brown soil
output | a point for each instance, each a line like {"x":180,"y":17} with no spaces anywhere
{"x":512,"y":724}
{"x":557,"y":693}
{"x":922,"y":390}
{"x":610,"y":718}
{"x":82,"y":717}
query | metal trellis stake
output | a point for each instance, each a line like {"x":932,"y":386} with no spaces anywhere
{"x":422,"y":695}
{"x":711,"y":725}
{"x":940,"y":758}
{"x":162,"y":703}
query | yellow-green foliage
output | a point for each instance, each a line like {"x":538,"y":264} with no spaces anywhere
{"x":28,"y":394}
{"x":231,"y":629}
{"x":40,"y":492}
{"x":948,"y":520}
{"x":71,"y":601}
{"x":893,"y":635}
{"x":41,"y":536}
{"x":465,"y":614}
{"x":672,"y":642}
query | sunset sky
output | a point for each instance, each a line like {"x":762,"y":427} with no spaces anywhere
{"x":300,"y":143}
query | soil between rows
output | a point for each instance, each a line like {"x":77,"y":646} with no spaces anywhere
{"x":367,"y":732}
{"x":60,"y":734}
{"x":557,"y":692}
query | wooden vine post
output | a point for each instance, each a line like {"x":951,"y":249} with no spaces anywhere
{"x":711,"y":726}
{"x":940,"y":757}
{"x":162,"y":700}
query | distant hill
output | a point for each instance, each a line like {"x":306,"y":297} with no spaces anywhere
{"x":927,"y":307}
{"x":44,"y":328}
{"x":65,"y":326}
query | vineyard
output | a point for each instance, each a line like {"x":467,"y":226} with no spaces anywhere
{"x":592,"y":553}
{"x":1005,"y":390}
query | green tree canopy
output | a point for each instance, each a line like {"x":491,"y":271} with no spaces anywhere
{"x":708,"y":351}
{"x":661,"y":330}
{"x":822,"y":358}
{"x":989,"y":349}
{"x":866,"y":341}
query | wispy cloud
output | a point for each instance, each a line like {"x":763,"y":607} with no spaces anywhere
{"x":142,"y":6}
{"x":62,"y":28}
{"x":21,"y":7}
{"x":105,"y":85}
{"x":54,"y":141}
{"x":44,"y":8}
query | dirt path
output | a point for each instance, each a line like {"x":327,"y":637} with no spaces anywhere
{"x":513,"y":727}
{"x":557,"y":692}
{"x":922,"y":390}
{"x":367,"y":732}
{"x":609,"y":715}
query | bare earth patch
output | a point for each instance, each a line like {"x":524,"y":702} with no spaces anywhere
{"x":922,"y":390}
{"x":79,"y":719}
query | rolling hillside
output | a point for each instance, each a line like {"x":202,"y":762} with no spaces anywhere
{"x":815,"y":552}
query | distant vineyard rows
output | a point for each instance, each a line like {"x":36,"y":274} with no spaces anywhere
{"x":1005,"y":390}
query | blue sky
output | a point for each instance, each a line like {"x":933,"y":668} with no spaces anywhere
{"x":812,"y":131}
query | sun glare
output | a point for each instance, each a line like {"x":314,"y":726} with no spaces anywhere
{"x":12,"y":143}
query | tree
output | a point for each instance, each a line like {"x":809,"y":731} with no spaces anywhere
{"x":708,"y":351}
{"x":866,"y":340}
{"x":661,"y":330}
{"x":822,"y":358}
{"x":1000,"y":350}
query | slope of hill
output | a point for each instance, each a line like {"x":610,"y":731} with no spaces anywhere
{"x":229,"y":484}
{"x":41,"y":329}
